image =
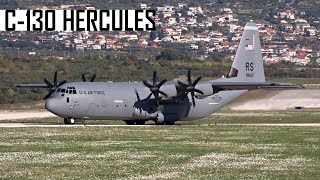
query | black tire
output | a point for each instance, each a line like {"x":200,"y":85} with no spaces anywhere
{"x":129,"y":122}
{"x":71,"y":120}
{"x":140,"y":122}
{"x":159,"y":123}
{"x":65,"y":120}
{"x":169,"y":123}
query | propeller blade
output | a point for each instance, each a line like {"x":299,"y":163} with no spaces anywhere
{"x":161,"y":83}
{"x":149,"y":96}
{"x":198,"y":91}
{"x":61,"y":83}
{"x":55,"y":78}
{"x":155,"y":88}
{"x":160,"y":92}
{"x":48,"y":83}
{"x":84,"y":78}
{"x":138,"y":97}
{"x":147,"y":84}
{"x":196,"y":81}
{"x":156,"y":95}
{"x":193,"y":101}
{"x":154,"y":79}
{"x":48,"y":95}
{"x":93,"y":78}
{"x":191,"y":87}
{"x":189,"y":77}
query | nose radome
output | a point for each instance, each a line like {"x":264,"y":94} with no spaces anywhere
{"x":51,"y":105}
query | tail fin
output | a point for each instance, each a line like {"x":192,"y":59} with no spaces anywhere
{"x":248,"y":64}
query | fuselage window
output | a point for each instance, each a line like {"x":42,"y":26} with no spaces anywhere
{"x":58,"y":90}
{"x":74,"y":92}
{"x":63,"y":90}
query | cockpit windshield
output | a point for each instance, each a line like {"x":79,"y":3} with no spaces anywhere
{"x":69,"y":90}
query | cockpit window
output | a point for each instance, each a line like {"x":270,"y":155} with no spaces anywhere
{"x":69,"y":90}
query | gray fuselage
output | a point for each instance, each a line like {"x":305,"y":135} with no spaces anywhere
{"x":116,"y":101}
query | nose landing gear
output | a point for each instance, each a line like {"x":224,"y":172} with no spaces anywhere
{"x":69,"y":120}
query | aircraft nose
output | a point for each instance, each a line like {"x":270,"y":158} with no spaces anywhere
{"x":52,"y":105}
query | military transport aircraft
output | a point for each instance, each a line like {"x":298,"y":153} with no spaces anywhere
{"x":162,"y":102}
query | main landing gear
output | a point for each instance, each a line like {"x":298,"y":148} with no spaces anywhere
{"x":165,"y":123}
{"x":69,"y":120}
{"x":135,"y":122}
{"x":142,"y":122}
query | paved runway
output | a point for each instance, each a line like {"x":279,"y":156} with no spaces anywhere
{"x":25,"y":125}
{"x":19,"y":125}
{"x":32,"y":114}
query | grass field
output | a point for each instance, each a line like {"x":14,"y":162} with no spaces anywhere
{"x":165,"y":152}
{"x":223,"y":117}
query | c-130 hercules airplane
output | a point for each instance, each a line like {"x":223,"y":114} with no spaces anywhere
{"x":163,"y":102}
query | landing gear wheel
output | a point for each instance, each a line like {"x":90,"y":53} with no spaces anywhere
{"x":169,"y":123}
{"x":140,"y":122}
{"x":159,"y":123}
{"x":129,"y":122}
{"x":69,"y":120}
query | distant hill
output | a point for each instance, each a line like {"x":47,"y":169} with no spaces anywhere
{"x":136,"y":3}
{"x":257,"y":9}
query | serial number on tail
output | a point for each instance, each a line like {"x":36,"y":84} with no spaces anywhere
{"x":249,"y":74}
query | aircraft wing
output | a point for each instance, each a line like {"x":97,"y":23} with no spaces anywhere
{"x":253,"y":85}
{"x":31,"y":86}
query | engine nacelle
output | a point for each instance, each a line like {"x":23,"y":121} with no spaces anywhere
{"x":141,"y":114}
{"x":169,"y":89}
{"x":144,"y":114}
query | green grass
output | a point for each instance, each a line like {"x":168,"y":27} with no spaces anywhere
{"x":223,"y":117}
{"x":279,"y":117}
{"x":165,"y":152}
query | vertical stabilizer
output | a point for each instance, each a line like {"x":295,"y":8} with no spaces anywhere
{"x":248,"y":65}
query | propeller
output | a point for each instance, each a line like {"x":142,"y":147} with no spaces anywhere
{"x":142,"y":105}
{"x":138,"y":104}
{"x":84,"y":79}
{"x":53,"y":86}
{"x":154,"y":87}
{"x":190,"y":87}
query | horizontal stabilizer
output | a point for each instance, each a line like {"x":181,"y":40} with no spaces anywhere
{"x":253,"y":85}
